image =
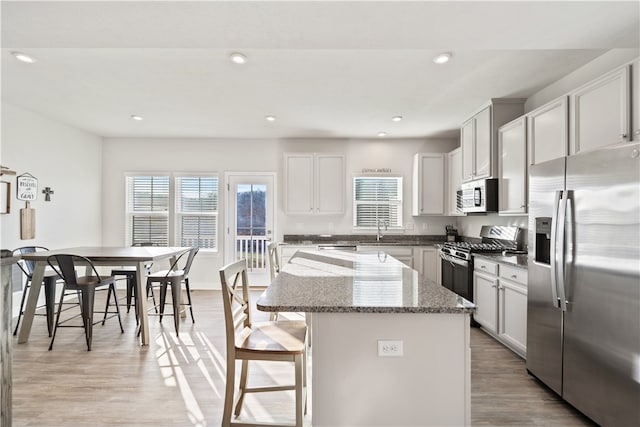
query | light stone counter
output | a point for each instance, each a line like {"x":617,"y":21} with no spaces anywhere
{"x":359,"y":302}
{"x":350,"y":282}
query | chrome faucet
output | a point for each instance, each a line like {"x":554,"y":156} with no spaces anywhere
{"x":386,"y":227}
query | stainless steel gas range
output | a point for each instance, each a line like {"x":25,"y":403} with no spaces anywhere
{"x":457,"y":257}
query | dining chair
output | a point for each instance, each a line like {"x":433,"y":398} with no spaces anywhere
{"x":281,"y":341}
{"x":174,"y":278}
{"x":131,"y":276}
{"x":274,"y":267}
{"x":85,"y":287}
{"x":50,"y":279}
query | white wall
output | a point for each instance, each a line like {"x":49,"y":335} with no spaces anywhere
{"x":61,"y":157}
{"x":122,"y":155}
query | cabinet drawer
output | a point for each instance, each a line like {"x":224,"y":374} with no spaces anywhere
{"x":485,"y":266}
{"x":514,"y":274}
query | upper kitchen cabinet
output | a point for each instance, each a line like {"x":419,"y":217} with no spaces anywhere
{"x":512,"y":167}
{"x":635,"y":99}
{"x":428,"y":184}
{"x":547,"y":131}
{"x":479,"y":137}
{"x":314,"y":183}
{"x":600,"y":112}
{"x":454,"y":179}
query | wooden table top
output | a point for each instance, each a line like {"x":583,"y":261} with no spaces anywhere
{"x":107,"y":253}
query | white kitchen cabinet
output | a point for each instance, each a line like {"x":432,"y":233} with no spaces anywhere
{"x":548,"y":131}
{"x":600,"y":112}
{"x":512,"y":167}
{"x":635,"y":100}
{"x":404,"y":254}
{"x":426,"y":260}
{"x":513,"y":326}
{"x":485,"y":294}
{"x":287,"y":251}
{"x":314,"y":183}
{"x":478,"y":136}
{"x":500,"y":294}
{"x":428,"y":184}
{"x":454,"y":179}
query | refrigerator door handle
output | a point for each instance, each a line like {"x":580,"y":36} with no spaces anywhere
{"x":562,"y":219}
{"x":552,"y":255}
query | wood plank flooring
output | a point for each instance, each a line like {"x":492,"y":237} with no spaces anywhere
{"x":180,"y":381}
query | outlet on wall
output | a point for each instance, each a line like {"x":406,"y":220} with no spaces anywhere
{"x":390,"y":348}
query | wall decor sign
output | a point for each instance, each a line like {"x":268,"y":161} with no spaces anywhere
{"x":27,"y":188}
{"x":376,"y":170}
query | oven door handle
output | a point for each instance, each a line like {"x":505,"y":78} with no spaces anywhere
{"x":454,"y":260}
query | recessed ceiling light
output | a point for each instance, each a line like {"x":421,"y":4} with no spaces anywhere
{"x":136,"y":117}
{"x":382,"y":134}
{"x":442,"y":58}
{"x":23,"y":57}
{"x":270,"y":118}
{"x":396,"y":118}
{"x":238,"y":58}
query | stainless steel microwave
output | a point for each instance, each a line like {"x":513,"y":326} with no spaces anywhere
{"x":479,"y":196}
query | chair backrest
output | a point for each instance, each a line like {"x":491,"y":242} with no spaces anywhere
{"x":274,"y":260}
{"x":235,"y":299}
{"x":27,"y":266}
{"x":65,"y":266}
{"x":185,"y":257}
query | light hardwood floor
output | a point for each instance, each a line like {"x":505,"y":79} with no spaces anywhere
{"x":180,"y":382}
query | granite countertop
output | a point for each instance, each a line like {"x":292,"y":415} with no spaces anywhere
{"x":356,"y":282}
{"x":513,"y":260}
{"x":363,"y":239}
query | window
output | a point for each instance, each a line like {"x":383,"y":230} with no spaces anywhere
{"x":377,"y":199}
{"x":197,"y":211}
{"x":148,"y":210}
{"x":153,"y":217}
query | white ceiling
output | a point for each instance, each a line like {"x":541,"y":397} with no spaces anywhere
{"x":324,"y":68}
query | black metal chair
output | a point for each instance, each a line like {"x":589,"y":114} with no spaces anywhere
{"x":49,"y":281}
{"x":85,"y":286}
{"x":174,"y":278}
{"x":131,"y":276}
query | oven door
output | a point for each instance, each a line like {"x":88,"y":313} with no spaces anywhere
{"x":457,"y":276}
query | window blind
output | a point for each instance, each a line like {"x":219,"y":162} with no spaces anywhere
{"x":377,"y":199}
{"x":148,"y":210}
{"x":197,"y":211}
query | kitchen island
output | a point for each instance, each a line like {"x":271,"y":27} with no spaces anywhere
{"x":365,"y":303}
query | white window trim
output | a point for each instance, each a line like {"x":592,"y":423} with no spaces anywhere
{"x":391,"y":229}
{"x":177,"y":215}
{"x":173,"y":210}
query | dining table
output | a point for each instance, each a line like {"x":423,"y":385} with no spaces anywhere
{"x":134,"y":256}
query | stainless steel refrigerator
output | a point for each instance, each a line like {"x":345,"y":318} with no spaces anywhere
{"x":583,"y":318}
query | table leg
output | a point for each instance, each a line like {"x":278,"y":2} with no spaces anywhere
{"x":141,"y":302}
{"x":32,"y":301}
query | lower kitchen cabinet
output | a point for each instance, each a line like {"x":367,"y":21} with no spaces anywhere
{"x":426,"y":260}
{"x":500,"y":293}
{"x":287,"y":251}
{"x":404,"y":254}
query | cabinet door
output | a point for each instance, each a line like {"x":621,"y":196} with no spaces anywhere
{"x":547,"y":131}
{"x":299,"y":192}
{"x":486,"y":299}
{"x":430,"y":184}
{"x":430,"y":260}
{"x":512,"y":167}
{"x":330,"y":184}
{"x":635,"y":99}
{"x":454,"y":168}
{"x":600,"y":112}
{"x":466,"y":141}
{"x":483,"y":143}
{"x":513,"y":314}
